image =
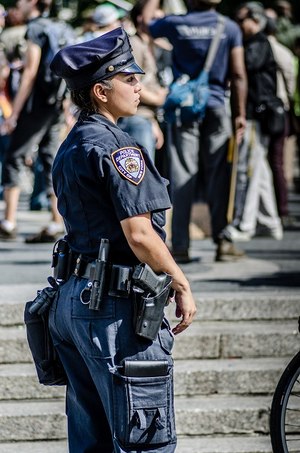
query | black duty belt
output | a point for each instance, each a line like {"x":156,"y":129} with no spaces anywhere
{"x":118,"y":276}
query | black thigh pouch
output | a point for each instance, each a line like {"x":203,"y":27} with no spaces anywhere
{"x":47,"y":363}
{"x":144,"y":410}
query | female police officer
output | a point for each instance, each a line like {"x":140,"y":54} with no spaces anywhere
{"x":107,"y":187}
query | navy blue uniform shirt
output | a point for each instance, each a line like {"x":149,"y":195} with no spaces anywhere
{"x":102,"y":176}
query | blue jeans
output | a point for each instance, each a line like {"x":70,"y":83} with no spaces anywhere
{"x":107,"y":411}
{"x":140,"y":129}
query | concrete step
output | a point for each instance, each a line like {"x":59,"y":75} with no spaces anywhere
{"x":228,"y":376}
{"x":211,"y":306}
{"x":32,"y":420}
{"x":240,"y":444}
{"x":202,"y":340}
{"x":20,"y":382}
{"x":195,"y":416}
{"x":192,"y":377}
{"x":214,"y":340}
{"x":12,"y":302}
{"x":243,"y":306}
{"x":185,"y":445}
{"x":260,"y":444}
{"x":34,"y":447}
{"x":222,"y":415}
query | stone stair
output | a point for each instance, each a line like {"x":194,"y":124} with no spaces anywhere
{"x":227,"y":365}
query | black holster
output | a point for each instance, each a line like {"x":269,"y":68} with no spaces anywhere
{"x":47,"y":363}
{"x":149,"y":313}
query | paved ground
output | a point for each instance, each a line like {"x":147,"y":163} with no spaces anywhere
{"x":269,"y":265}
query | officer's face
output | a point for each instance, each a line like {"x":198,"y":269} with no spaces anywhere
{"x":124,"y":97}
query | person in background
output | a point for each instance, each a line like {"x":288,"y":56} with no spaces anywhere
{"x":144,"y":126}
{"x":286,"y":82}
{"x":190,"y":35}
{"x":5,"y":107}
{"x":255,"y":197}
{"x":14,"y":45}
{"x":104,"y":170}
{"x":3,"y":14}
{"x":287,"y":30}
{"x":296,"y":109}
{"x":105,"y":17}
{"x":33,"y":119}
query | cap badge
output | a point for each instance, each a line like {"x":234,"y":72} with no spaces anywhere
{"x":130,"y":163}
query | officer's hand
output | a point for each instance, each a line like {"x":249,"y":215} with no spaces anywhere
{"x":185,"y":308}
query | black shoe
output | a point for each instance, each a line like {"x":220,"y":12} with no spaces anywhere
{"x":183,"y":258}
{"x":43,"y":237}
{"x":226,"y":251}
{"x":288,"y":221}
{"x":7,"y":235}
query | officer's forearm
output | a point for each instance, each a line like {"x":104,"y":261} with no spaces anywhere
{"x":149,"y":248}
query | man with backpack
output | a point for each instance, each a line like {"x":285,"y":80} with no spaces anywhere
{"x":203,"y":144}
{"x":35,"y":122}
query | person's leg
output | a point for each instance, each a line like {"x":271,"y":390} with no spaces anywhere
{"x":11,"y":198}
{"x":28,"y":133}
{"x":242,"y":179}
{"x":38,"y":198}
{"x":47,"y":150}
{"x":268,"y":213}
{"x":215,"y":133}
{"x":233,"y":231}
{"x":184,"y":156}
{"x":251,"y":208}
{"x":88,"y":429}
{"x":4,"y":144}
{"x":275,"y":157}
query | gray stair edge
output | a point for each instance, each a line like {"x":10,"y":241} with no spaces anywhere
{"x":213,"y":415}
{"x":192,"y":377}
{"x":184,"y":445}
{"x":219,"y":306}
{"x":225,"y":444}
{"x":202,"y":340}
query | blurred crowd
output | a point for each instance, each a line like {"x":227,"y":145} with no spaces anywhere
{"x":233,"y":160}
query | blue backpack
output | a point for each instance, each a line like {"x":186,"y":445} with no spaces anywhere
{"x":188,"y":98}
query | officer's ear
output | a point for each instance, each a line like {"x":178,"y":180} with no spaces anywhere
{"x":99,"y":91}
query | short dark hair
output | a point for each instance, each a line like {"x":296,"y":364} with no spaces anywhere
{"x":83,"y":99}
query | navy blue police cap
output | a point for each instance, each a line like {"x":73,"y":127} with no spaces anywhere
{"x":88,"y":62}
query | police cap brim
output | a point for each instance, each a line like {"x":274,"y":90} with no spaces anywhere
{"x":133,"y":69}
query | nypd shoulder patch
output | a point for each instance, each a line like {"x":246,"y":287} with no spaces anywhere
{"x":130,"y":163}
